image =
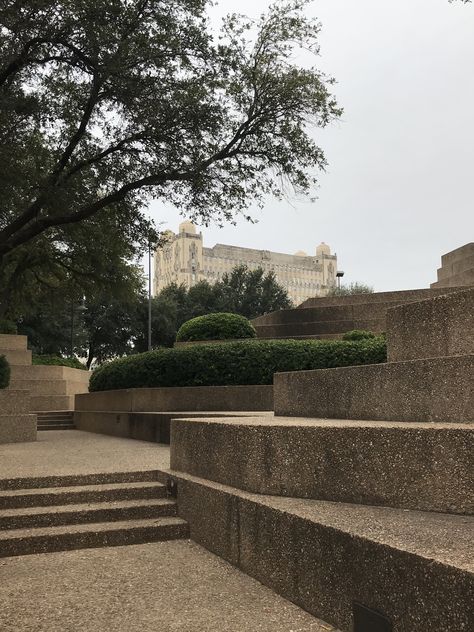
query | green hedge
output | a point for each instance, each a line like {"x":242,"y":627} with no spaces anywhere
{"x":358,"y":334}
{"x":4,"y":372}
{"x":233,"y":363}
{"x":73,"y":363}
{"x":221,"y":326}
{"x":7,"y":327}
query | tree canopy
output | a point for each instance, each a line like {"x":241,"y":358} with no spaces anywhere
{"x":107,"y":103}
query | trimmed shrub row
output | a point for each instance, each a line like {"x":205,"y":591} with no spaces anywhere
{"x":233,"y":363}
{"x":358,"y":334}
{"x":222,"y":326}
{"x":4,"y":372}
{"x":7,"y":327}
{"x":73,"y":363}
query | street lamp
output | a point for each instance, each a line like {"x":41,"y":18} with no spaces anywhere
{"x":339,"y":275}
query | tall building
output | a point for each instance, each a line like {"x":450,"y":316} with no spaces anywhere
{"x":185,"y":260}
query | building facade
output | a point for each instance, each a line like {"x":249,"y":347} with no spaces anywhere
{"x":185,"y":260}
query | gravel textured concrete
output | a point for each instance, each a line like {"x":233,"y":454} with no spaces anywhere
{"x":410,"y":465}
{"x":159,"y":587}
{"x":70,"y":452}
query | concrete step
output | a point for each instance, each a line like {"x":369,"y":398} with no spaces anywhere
{"x":49,"y":372}
{"x":410,"y":465}
{"x":41,"y":387}
{"x":79,"y":480}
{"x":428,"y":390}
{"x":36,"y":517}
{"x":56,"y":426}
{"x":17,"y":356}
{"x":58,"y":415}
{"x":415,"y":568}
{"x":70,"y":537}
{"x":11,"y":499}
{"x":12,"y":342}
{"x":51,"y":402}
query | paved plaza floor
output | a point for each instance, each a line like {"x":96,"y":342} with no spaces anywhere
{"x":159,"y":587}
{"x":69,"y":452}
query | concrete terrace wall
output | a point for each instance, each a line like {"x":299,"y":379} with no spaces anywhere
{"x":172,"y":399}
{"x":330,"y":317}
{"x":433,"y":383}
{"x":457,"y":268}
{"x":146,"y":413}
{"x":16,"y":422}
{"x":443,"y":326}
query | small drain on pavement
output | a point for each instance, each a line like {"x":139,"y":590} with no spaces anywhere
{"x":367,"y":620}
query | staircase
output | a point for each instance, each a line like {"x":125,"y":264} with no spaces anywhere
{"x":56,"y":420}
{"x":43,"y":515}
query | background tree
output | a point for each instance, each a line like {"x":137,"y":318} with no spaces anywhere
{"x":352,"y":288}
{"x":108,"y":102}
{"x":250,"y":293}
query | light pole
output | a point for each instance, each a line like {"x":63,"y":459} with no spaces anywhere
{"x":149,"y":295}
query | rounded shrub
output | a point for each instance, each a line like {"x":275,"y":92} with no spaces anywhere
{"x":233,"y":363}
{"x":54,"y":360}
{"x":358,"y":334}
{"x":7,"y":327}
{"x":221,"y":326}
{"x":4,"y":372}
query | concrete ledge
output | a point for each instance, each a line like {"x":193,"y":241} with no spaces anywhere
{"x":17,"y":356}
{"x":14,"y":401}
{"x":414,"y":466}
{"x":12,"y":342}
{"x":442,"y":326}
{"x":400,"y":296}
{"x":414,"y":567}
{"x":153,"y":427}
{"x":432,"y":390}
{"x":191,"y":398}
{"x":16,"y":428}
{"x":50,"y":372}
{"x":51,"y":402}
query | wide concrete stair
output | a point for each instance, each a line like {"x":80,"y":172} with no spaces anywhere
{"x":50,"y":387}
{"x":361,"y":498}
{"x":331,"y":317}
{"x":457,"y":267}
{"x":40,"y":515}
{"x":56,"y":420}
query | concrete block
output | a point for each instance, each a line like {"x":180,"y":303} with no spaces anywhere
{"x":414,"y":567}
{"x":443,"y":326}
{"x":51,"y":402}
{"x":429,"y":390}
{"x":191,"y":398}
{"x":17,"y":427}
{"x":399,"y":296}
{"x":414,"y":466}
{"x":40,"y":387}
{"x":151,"y":426}
{"x":14,"y":401}
{"x":17,"y":356}
{"x":12,"y":342}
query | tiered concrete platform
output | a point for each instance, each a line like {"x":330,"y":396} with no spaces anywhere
{"x":50,"y":387}
{"x":159,"y":587}
{"x":457,"y":268}
{"x":331,"y":317}
{"x":369,"y":498}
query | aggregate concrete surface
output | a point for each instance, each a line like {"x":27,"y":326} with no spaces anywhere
{"x":69,"y":452}
{"x":158,"y":587}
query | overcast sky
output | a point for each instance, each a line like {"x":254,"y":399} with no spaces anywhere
{"x":398,"y":192}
